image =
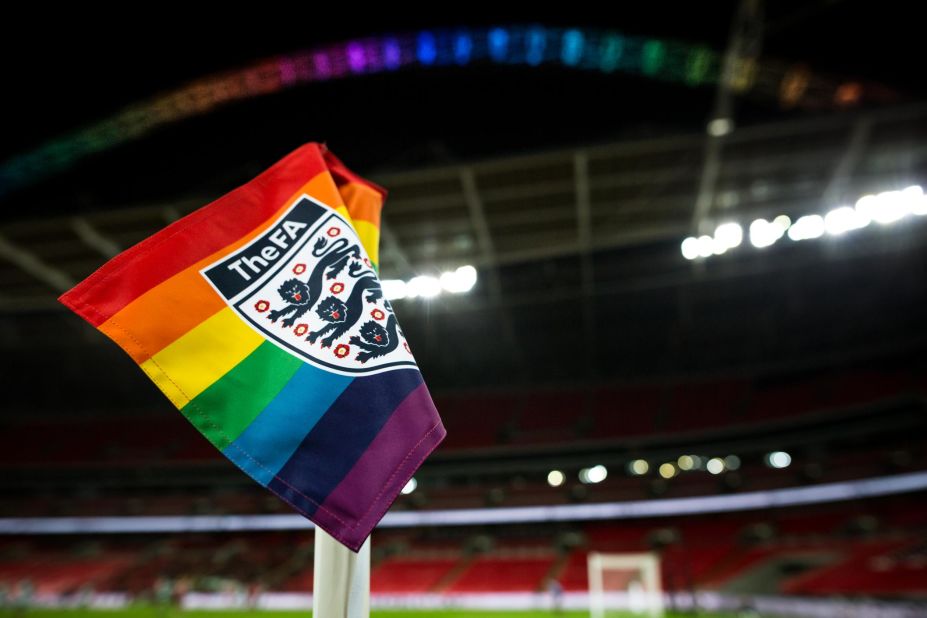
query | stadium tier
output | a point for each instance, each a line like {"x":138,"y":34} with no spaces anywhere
{"x":818,"y":551}
{"x":587,"y":415}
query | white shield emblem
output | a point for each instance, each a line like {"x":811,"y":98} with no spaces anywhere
{"x":307,"y":285}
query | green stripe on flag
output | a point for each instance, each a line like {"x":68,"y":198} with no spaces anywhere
{"x":225,"y":409}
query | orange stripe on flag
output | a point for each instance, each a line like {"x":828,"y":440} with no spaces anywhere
{"x":186,"y":297}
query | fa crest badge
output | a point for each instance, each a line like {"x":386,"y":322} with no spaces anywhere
{"x":307,"y":285}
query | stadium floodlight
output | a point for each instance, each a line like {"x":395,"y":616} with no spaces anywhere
{"x":778,"y":459}
{"x":409,"y":487}
{"x":917,"y":201}
{"x":456,"y":281}
{"x":715,"y":465}
{"x":886,"y":207}
{"x":763,"y":233}
{"x":423,"y":286}
{"x":729,"y":234}
{"x":639,"y":467}
{"x":629,"y":582}
{"x":667,"y":470}
{"x":593,"y":475}
{"x":555,"y":478}
{"x":719,"y":127}
{"x":783,"y":223}
{"x":706,"y":246}
{"x":690,"y":248}
{"x":393,"y":289}
{"x":844,"y":219}
{"x":685,"y":462}
{"x":459,"y":281}
{"x":807,"y":227}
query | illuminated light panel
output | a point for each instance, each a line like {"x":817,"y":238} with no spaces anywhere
{"x":463,"y":47}
{"x":423,"y":286}
{"x":458,"y":281}
{"x":844,"y":219}
{"x":586,"y":48}
{"x":807,"y":227}
{"x":732,"y":462}
{"x":690,"y":248}
{"x":427,"y":49}
{"x":593,"y":475}
{"x":778,"y":459}
{"x":720,"y":127}
{"x":409,"y":487}
{"x":572,"y":50}
{"x":729,"y":234}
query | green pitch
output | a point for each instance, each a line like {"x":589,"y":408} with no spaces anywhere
{"x":143,"y":612}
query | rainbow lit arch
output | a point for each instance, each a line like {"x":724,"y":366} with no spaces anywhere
{"x":531,"y":46}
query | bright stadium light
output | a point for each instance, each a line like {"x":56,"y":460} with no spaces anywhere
{"x":891,"y":206}
{"x":843,"y":219}
{"x":729,"y":234}
{"x":763,"y":233}
{"x":690,"y":248}
{"x":459,"y":281}
{"x":706,"y":246}
{"x":597,"y":474}
{"x":885,"y":208}
{"x":555,"y":478}
{"x":917,"y":201}
{"x":685,"y":462}
{"x":894,"y":207}
{"x":393,"y":289}
{"x":667,"y":470}
{"x":778,"y":459}
{"x":410,"y":486}
{"x":715,"y":465}
{"x":807,"y":227}
{"x":423,"y":286}
{"x":719,"y":127}
{"x":456,"y":281}
{"x":593,"y":475}
{"x":639,"y":467}
{"x":783,"y":223}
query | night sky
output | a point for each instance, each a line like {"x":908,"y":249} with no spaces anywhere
{"x":74,"y":71}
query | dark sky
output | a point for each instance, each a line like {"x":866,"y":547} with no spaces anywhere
{"x":67,"y":72}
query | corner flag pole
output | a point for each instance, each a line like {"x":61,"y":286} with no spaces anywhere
{"x":341,"y":579}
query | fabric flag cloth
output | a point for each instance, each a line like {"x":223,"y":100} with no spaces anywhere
{"x":261,"y":317}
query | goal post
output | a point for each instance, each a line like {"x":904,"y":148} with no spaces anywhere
{"x":625,"y":582}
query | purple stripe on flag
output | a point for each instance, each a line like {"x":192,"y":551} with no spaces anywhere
{"x":372,"y":485}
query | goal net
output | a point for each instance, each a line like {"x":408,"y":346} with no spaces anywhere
{"x":623,"y":584}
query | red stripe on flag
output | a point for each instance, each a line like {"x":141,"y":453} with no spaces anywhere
{"x":194,"y":237}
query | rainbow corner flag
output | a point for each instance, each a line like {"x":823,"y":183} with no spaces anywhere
{"x":261,"y":317}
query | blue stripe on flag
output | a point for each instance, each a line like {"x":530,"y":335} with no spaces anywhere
{"x":271,"y":438}
{"x":341,"y":436}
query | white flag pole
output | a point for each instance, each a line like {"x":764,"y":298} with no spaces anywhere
{"x":341,"y":580}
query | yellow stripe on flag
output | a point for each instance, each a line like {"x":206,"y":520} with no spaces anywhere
{"x":201,"y":356}
{"x":369,"y":235}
